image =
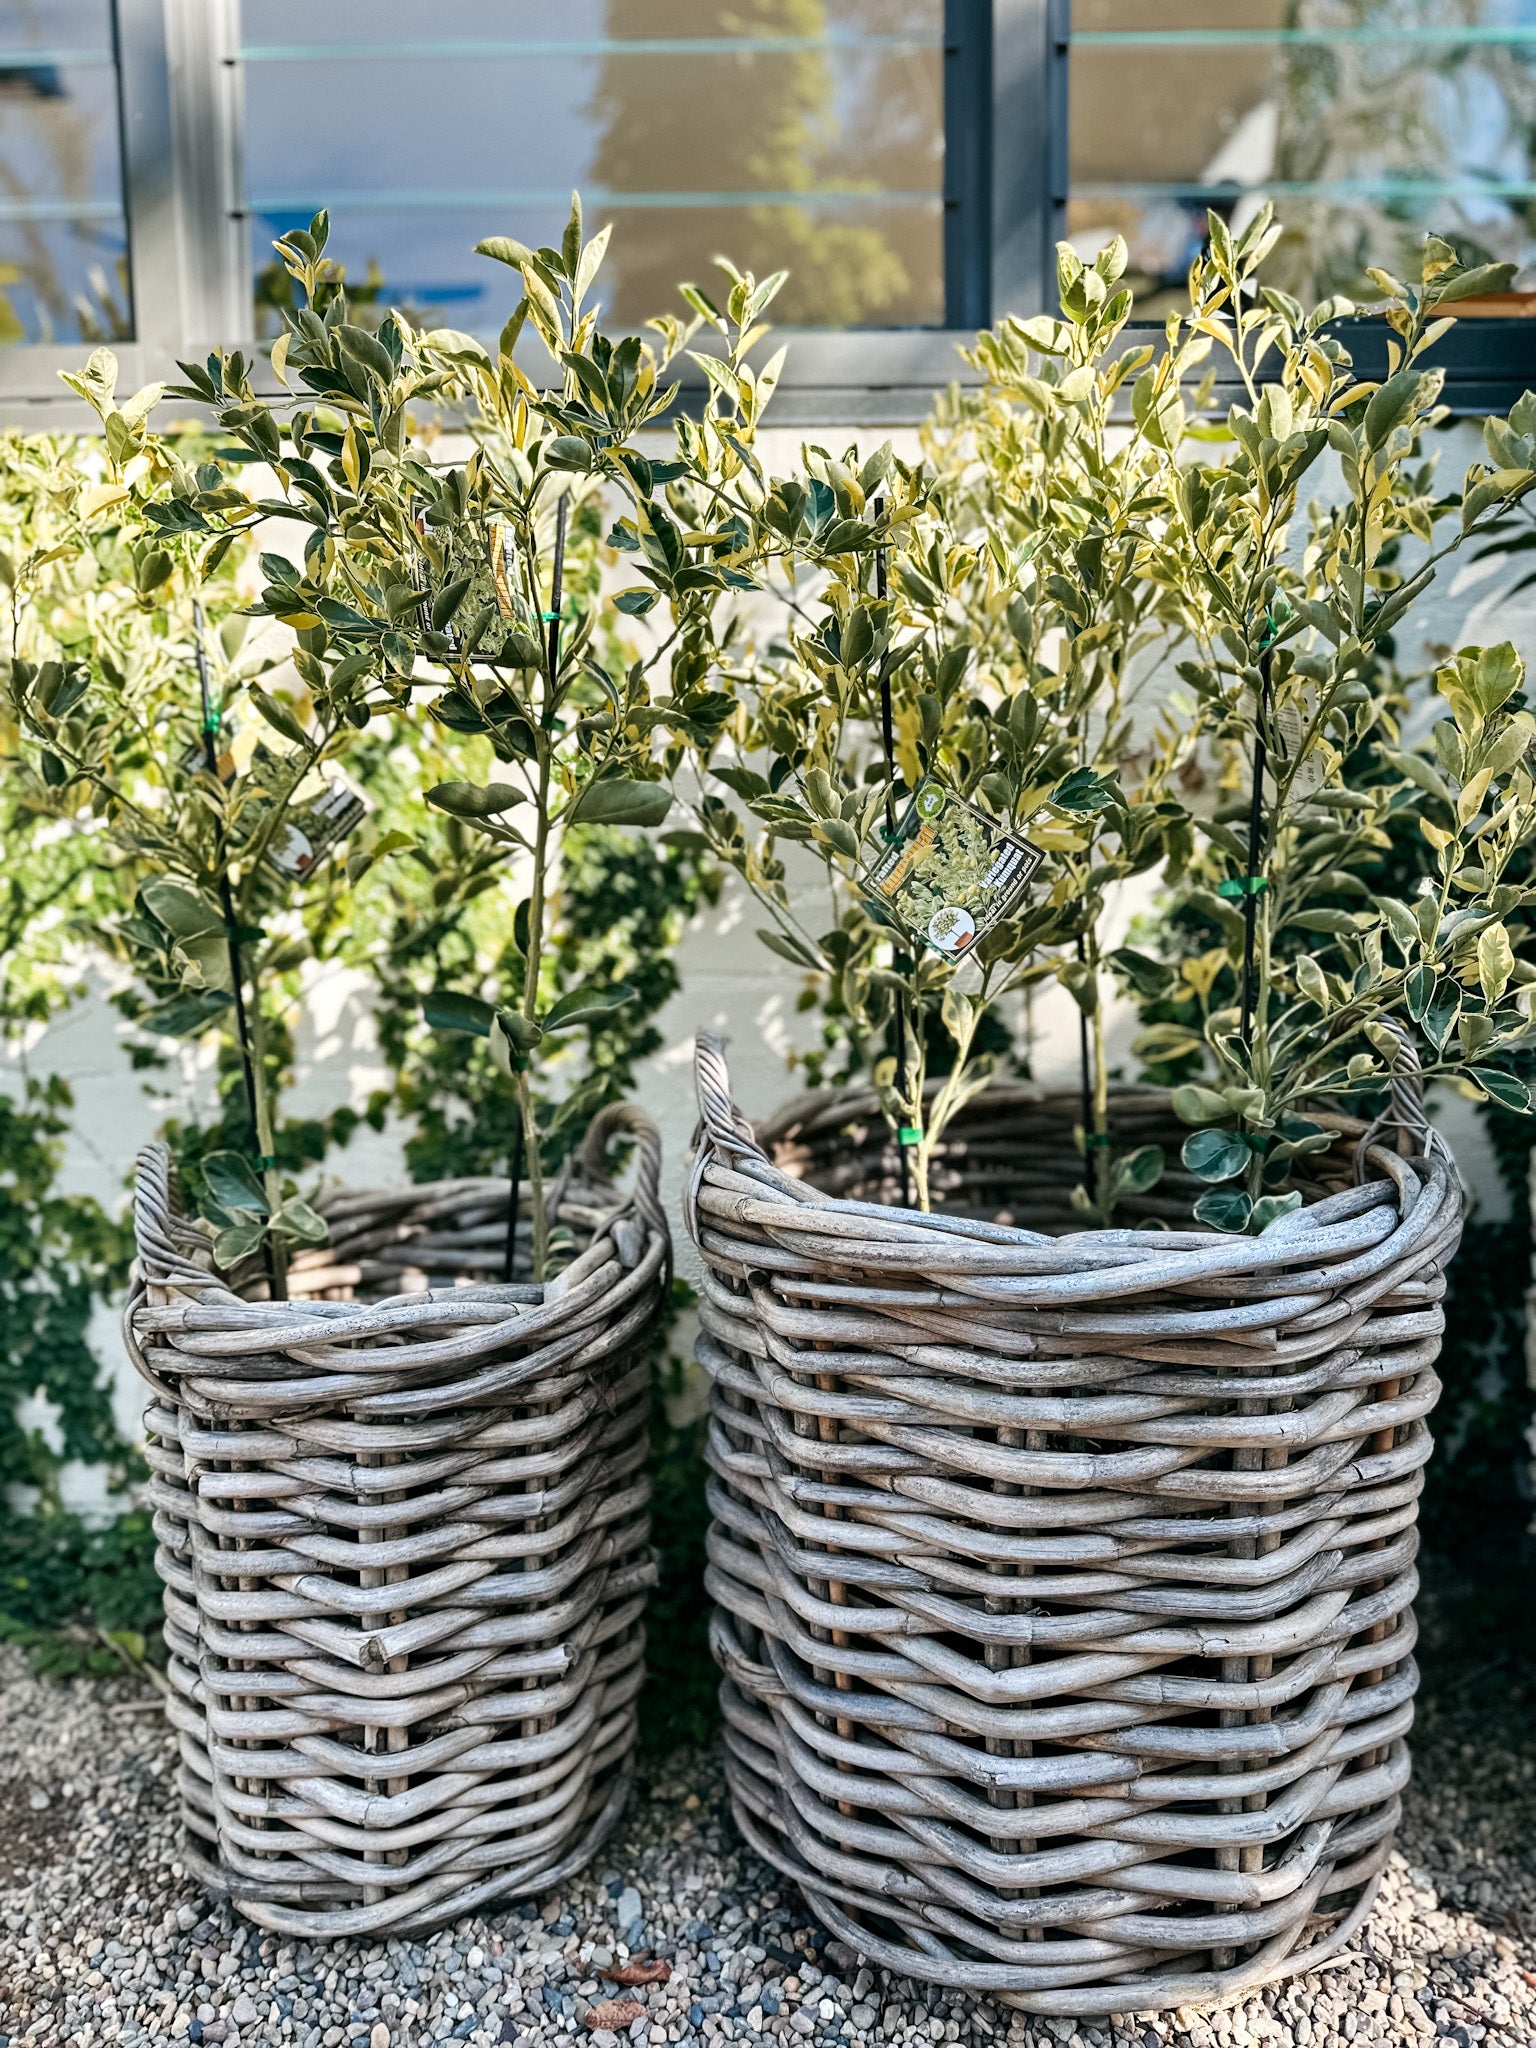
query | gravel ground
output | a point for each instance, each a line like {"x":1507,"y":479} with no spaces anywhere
{"x":103,"y":1939}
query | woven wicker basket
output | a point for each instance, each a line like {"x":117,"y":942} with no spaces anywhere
{"x":1063,"y":1582}
{"x":405,"y":1544}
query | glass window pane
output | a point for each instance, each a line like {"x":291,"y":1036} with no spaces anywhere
{"x":811,"y":137}
{"x":63,"y":237}
{"x":1368,"y":123}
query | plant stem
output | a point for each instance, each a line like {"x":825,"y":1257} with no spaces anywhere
{"x":536,"y":901}
{"x":535,"y":1174}
{"x":899,"y":962}
{"x":271,"y":1180}
{"x":250,"y":1057}
{"x":515,"y":1175}
{"x":1255,"y":847}
{"x":1097,"y":1162}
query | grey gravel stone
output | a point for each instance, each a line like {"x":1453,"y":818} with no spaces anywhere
{"x":104,"y":1939}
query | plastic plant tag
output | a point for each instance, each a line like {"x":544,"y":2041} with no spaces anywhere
{"x":317,"y":826}
{"x":950,"y":873}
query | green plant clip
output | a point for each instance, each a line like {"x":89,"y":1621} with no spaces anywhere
{"x":265,"y":1163}
{"x":1236,"y":887}
{"x":910,"y":1134}
{"x":1096,"y":1141}
{"x":213,"y":722}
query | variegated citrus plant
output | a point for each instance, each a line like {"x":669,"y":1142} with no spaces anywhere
{"x":434,"y":566}
{"x":1316,"y":980}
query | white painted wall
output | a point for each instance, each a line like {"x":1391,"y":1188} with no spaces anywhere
{"x":728,"y":980}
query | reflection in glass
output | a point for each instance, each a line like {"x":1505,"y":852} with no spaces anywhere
{"x":63,"y":238}
{"x":805,"y":134}
{"x":1368,"y":123}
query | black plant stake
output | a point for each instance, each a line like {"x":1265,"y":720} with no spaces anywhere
{"x":213,"y":722}
{"x":908,"y":1135}
{"x":552,"y":621}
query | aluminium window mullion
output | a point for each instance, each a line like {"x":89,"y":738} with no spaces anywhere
{"x":1029,"y":151}
{"x":149,"y":186}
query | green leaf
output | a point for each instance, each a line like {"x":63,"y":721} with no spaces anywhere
{"x":1193,"y":1104}
{"x":1482,"y":279}
{"x":447,"y":602}
{"x":1224,"y":1209}
{"x":1085,"y":791}
{"x":445,"y":1009}
{"x":184,"y":913}
{"x":239,"y":1241}
{"x":1215,"y":1155}
{"x":278,"y":716}
{"x":1503,"y":1088}
{"x":1134,"y":1172}
{"x":1269,"y":1208}
{"x":502,"y":249}
{"x":473,"y":800}
{"x":1148,"y":977}
{"x":184,"y":1014}
{"x":1421,"y":989}
{"x":296,"y":1222}
{"x":1495,"y":961}
{"x":616,"y":800}
{"x":595,"y":999}
{"x":512,"y":1038}
{"x":232,"y":1183}
{"x":154,"y":569}
{"x":637,"y":600}
{"x":788,"y":948}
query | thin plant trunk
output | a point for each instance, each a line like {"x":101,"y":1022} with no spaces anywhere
{"x":271,"y":1179}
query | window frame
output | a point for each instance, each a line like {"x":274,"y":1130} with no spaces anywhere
{"x":181,"y":99}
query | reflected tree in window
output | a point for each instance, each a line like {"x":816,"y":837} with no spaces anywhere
{"x":841,"y":101}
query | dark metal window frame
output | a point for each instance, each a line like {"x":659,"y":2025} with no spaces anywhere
{"x":1005,"y":190}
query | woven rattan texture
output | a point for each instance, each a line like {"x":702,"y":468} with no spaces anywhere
{"x":405,"y":1544}
{"x":1063,"y":1581}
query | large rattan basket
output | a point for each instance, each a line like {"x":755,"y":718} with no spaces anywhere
{"x":1063,"y":1578}
{"x":403,"y":1531}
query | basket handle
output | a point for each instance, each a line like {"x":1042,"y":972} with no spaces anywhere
{"x":166,"y":1241}
{"x":618,"y":1119}
{"x":1405,"y":1109}
{"x":719,"y":1118}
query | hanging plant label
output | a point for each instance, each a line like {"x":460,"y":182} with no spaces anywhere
{"x":318,"y":827}
{"x":951,"y":872}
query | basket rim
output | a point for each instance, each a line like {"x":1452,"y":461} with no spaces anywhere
{"x":1416,"y":1184}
